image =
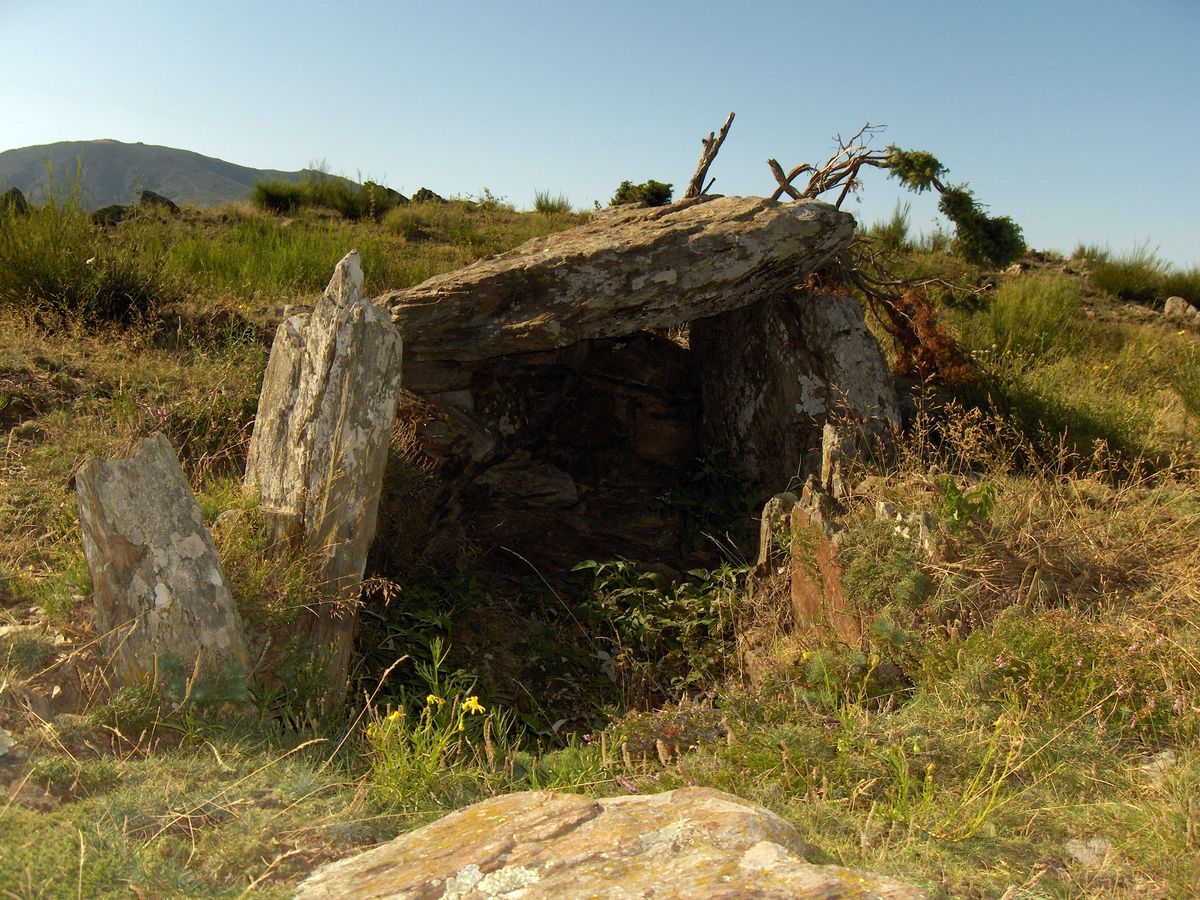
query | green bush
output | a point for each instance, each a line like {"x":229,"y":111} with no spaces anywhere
{"x":664,"y":641}
{"x":58,"y":264}
{"x":279,"y":197}
{"x":355,"y":202}
{"x":1065,"y":667}
{"x":1183,"y":283}
{"x":651,"y":193}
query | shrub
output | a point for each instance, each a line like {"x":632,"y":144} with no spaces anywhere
{"x":544,"y":203}
{"x":60,"y":265}
{"x":651,"y":193}
{"x":1067,"y":667}
{"x":664,"y":641}
{"x":368,"y":200}
{"x":980,"y":238}
{"x":279,"y":197}
{"x":1184,"y":283}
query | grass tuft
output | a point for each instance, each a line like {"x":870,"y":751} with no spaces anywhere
{"x":548,"y":204}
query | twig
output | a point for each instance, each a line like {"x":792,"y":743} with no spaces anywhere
{"x":711,"y":144}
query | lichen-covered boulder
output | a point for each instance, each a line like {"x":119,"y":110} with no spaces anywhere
{"x":692,"y":842}
{"x":162,"y":602}
{"x":320,"y":445}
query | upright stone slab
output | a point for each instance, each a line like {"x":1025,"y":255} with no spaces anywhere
{"x":320,"y":443}
{"x":772,"y":375}
{"x":161,"y":599}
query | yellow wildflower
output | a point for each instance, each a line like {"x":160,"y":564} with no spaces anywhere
{"x":396,"y":716}
{"x":472,"y":705}
{"x":434,"y":698}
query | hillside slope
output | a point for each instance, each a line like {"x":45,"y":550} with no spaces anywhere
{"x":114,"y":172}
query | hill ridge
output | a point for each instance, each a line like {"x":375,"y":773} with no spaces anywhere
{"x":113,"y":171}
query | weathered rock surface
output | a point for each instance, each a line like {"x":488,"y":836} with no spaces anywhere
{"x":692,"y":842}
{"x":320,"y":442}
{"x":159,"y":591}
{"x":636,"y":270}
{"x":425,"y":195}
{"x":1178,"y":308}
{"x":772,"y":374}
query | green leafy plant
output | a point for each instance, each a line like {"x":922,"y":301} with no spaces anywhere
{"x":445,"y":745}
{"x":959,"y":508}
{"x":664,"y":641}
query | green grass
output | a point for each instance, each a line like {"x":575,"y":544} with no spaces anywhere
{"x":1033,"y":316}
{"x":56,"y":264}
{"x":1139,"y":275}
{"x":892,"y":233}
{"x":318,"y":190}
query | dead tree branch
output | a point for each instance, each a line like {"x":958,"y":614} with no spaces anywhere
{"x":840,"y":169}
{"x":712,"y":144}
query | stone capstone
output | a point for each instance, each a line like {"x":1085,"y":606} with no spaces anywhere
{"x":636,"y":270}
{"x":691,"y":842}
{"x":320,"y":442}
{"x":162,"y":602}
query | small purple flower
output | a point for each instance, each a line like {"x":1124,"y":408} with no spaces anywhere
{"x":1179,"y":705}
{"x":1001,"y":662}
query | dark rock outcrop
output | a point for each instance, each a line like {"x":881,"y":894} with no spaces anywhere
{"x":13,"y":201}
{"x":157,"y":201}
{"x":425,"y":195}
{"x":110,"y":215}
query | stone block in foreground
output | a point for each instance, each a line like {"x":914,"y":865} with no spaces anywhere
{"x":691,"y":842}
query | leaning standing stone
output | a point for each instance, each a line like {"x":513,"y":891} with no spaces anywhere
{"x":320,"y":443}
{"x":162,"y":603}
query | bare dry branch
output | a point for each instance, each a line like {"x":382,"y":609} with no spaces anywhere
{"x":841,"y":168}
{"x":711,"y":144}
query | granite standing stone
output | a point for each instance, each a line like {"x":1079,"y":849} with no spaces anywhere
{"x":320,"y":445}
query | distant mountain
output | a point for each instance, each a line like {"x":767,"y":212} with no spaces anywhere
{"x":115,"y":172}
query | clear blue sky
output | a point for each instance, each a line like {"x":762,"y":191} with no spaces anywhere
{"x":1078,"y":118}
